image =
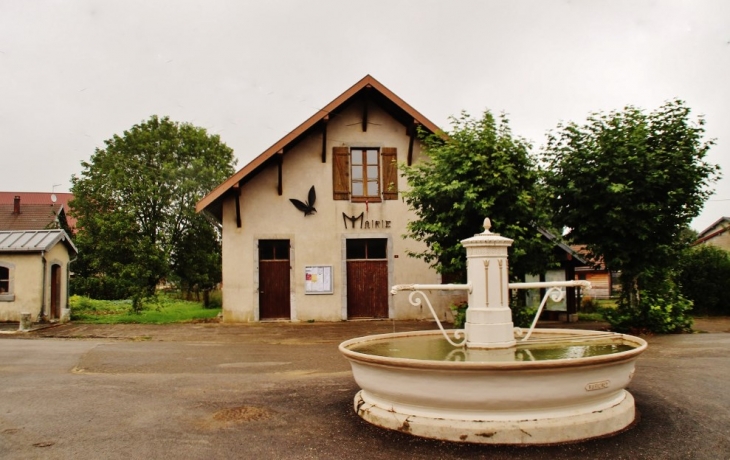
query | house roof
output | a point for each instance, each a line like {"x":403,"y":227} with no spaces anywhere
{"x":575,"y":255}
{"x":394,"y":104}
{"x":62,"y":200}
{"x":34,"y":240}
{"x":712,"y":231}
{"x":31,"y":216}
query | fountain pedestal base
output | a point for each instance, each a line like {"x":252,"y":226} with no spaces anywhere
{"x":581,"y":425}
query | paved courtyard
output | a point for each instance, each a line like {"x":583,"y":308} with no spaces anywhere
{"x":281,"y":390}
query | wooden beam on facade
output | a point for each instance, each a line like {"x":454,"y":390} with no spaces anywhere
{"x":365,"y":115}
{"x":237,"y":194}
{"x":280,"y":164}
{"x":412,"y":137}
{"x":325,"y":120}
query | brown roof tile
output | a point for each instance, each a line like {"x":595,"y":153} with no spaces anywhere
{"x":31,"y":217}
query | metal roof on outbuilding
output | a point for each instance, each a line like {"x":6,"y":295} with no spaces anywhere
{"x":33,"y":240}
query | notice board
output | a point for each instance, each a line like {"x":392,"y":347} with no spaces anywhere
{"x":318,"y":279}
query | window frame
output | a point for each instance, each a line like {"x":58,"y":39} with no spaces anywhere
{"x":9,"y":295}
{"x":365,"y":179}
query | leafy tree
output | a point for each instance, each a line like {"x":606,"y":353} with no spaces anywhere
{"x":704,"y":278}
{"x":626,"y":184}
{"x":135,"y":205}
{"x":477,"y":170}
{"x":197,"y":260}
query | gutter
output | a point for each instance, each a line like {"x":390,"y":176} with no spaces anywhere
{"x":43,"y":288}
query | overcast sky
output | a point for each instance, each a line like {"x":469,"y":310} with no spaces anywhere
{"x":74,"y":73}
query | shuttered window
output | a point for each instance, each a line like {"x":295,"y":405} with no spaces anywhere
{"x":341,"y":173}
{"x":390,"y":173}
{"x":364,"y":174}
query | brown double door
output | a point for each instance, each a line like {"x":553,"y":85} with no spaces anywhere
{"x":274,"y":272}
{"x":367,"y":278}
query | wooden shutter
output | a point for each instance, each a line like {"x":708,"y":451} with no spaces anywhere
{"x":341,"y":173}
{"x":389,"y":161}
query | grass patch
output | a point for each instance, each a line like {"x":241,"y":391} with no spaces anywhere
{"x":595,"y":316}
{"x":160,"y":310}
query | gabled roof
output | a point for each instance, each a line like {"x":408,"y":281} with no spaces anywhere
{"x":712,"y":231}
{"x":34,"y":240}
{"x":575,"y":255}
{"x":40,"y":198}
{"x":212,"y":201}
{"x":31,"y":216}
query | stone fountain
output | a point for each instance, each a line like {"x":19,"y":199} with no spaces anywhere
{"x":493,"y":383}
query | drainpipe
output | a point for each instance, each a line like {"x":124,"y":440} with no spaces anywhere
{"x":43,"y":288}
{"x":68,"y":284}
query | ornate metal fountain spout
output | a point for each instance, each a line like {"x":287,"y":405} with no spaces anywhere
{"x":489,"y":318}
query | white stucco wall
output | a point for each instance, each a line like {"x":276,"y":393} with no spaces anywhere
{"x":319,"y":239}
{"x":28,"y":294}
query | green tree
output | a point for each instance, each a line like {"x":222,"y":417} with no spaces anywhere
{"x":626,"y":184}
{"x":704,"y":278}
{"x":479,"y":169}
{"x":135,"y":205}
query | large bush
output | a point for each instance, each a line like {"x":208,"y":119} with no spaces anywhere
{"x":660,"y":310}
{"x":704,"y":278}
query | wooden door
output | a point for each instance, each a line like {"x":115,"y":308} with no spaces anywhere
{"x":274,"y":272}
{"x":55,"y":291}
{"x":367,"y":278}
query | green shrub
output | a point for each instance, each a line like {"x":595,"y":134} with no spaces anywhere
{"x":704,"y":278}
{"x":215,"y":300}
{"x":588,"y":304}
{"x":665,"y":312}
{"x":459,"y":312}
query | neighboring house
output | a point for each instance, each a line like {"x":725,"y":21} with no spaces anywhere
{"x":716,"y":234}
{"x":35,"y":211}
{"x":312,"y":227}
{"x":570,"y":262}
{"x":34,"y":272}
{"x":600,"y":277}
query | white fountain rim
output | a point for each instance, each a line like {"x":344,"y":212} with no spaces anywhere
{"x":627,"y":355}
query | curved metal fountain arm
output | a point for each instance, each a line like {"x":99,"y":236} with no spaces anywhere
{"x":549,"y":284}
{"x":429,"y":287}
{"x":416,"y":302}
{"x":554,"y":291}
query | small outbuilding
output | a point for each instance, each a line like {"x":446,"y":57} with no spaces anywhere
{"x":34,"y":274}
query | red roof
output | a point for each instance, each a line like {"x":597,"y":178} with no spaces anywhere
{"x":36,"y":208}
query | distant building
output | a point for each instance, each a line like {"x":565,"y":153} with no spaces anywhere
{"x":716,"y":234}
{"x":34,"y":274}
{"x":35,"y":211}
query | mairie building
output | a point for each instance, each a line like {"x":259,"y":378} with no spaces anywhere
{"x":312,"y":228}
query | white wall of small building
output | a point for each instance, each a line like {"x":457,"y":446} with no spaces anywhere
{"x":28,"y":293}
{"x":319,"y":239}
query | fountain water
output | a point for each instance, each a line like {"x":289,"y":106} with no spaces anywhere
{"x":491,"y":383}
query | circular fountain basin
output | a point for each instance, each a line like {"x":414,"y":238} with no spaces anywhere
{"x":562,"y":386}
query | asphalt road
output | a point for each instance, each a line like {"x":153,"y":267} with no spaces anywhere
{"x":275,"y":391}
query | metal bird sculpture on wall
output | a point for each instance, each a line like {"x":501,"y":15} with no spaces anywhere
{"x":308,"y":207}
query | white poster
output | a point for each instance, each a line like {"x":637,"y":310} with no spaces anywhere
{"x":318,"y":279}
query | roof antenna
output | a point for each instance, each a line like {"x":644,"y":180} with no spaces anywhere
{"x":53,"y":189}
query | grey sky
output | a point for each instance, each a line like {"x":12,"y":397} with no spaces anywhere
{"x":74,"y":73}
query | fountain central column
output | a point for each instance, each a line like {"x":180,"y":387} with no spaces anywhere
{"x":488,"y":318}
